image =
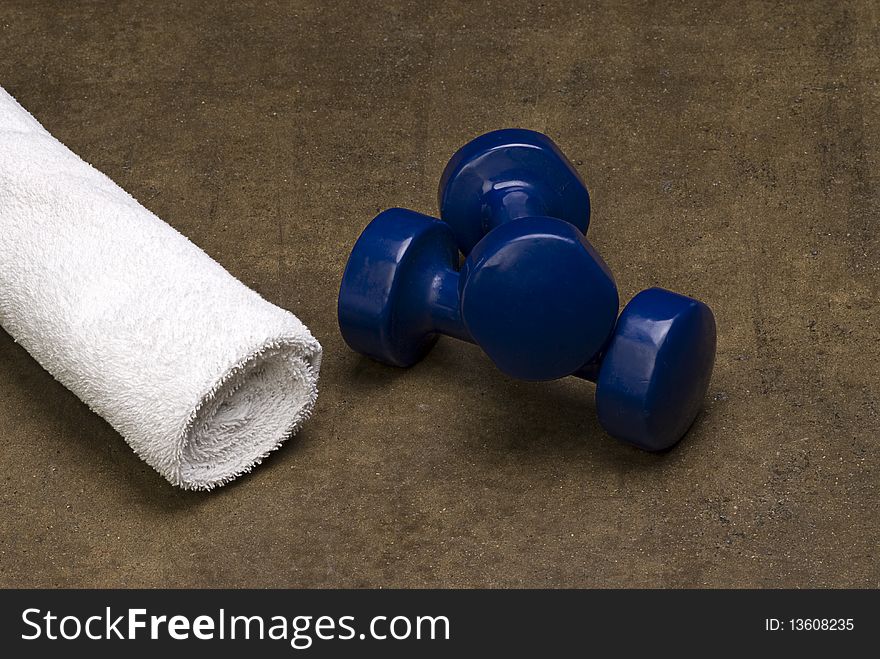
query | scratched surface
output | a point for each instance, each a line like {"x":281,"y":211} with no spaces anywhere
{"x":731,"y":151}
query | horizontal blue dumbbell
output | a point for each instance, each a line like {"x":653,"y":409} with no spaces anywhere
{"x":538,"y":299}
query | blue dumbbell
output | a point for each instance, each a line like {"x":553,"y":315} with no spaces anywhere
{"x":542,"y":304}
{"x":505,"y":177}
{"x":535,"y":296}
{"x":517,"y":187}
{"x":533,"y":293}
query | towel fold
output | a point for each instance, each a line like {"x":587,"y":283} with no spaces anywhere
{"x":199,"y":374}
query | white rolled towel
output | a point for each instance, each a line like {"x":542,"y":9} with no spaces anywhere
{"x":199,"y":374}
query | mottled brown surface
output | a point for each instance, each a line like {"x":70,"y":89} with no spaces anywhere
{"x":731,"y":151}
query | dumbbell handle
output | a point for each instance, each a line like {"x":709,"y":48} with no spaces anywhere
{"x":513,"y":201}
{"x":444,"y":303}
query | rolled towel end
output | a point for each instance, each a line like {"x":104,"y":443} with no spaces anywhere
{"x":257,"y":404}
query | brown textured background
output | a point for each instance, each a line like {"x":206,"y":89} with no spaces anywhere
{"x":731,"y":150}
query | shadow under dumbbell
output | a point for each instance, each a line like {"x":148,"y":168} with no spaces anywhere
{"x":480,"y":411}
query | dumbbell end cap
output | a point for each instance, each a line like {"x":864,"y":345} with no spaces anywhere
{"x":382,"y":298}
{"x":538,"y":298}
{"x":657,"y":369}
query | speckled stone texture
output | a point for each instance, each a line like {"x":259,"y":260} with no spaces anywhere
{"x":731,"y":150}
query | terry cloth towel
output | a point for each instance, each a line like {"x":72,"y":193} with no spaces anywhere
{"x":199,"y":374}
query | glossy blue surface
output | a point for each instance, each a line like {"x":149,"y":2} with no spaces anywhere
{"x":541,"y":303}
{"x":537,"y":298}
{"x":505,"y":175}
{"x":532,"y":292}
{"x":397,"y":268}
{"x":653,"y":378}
